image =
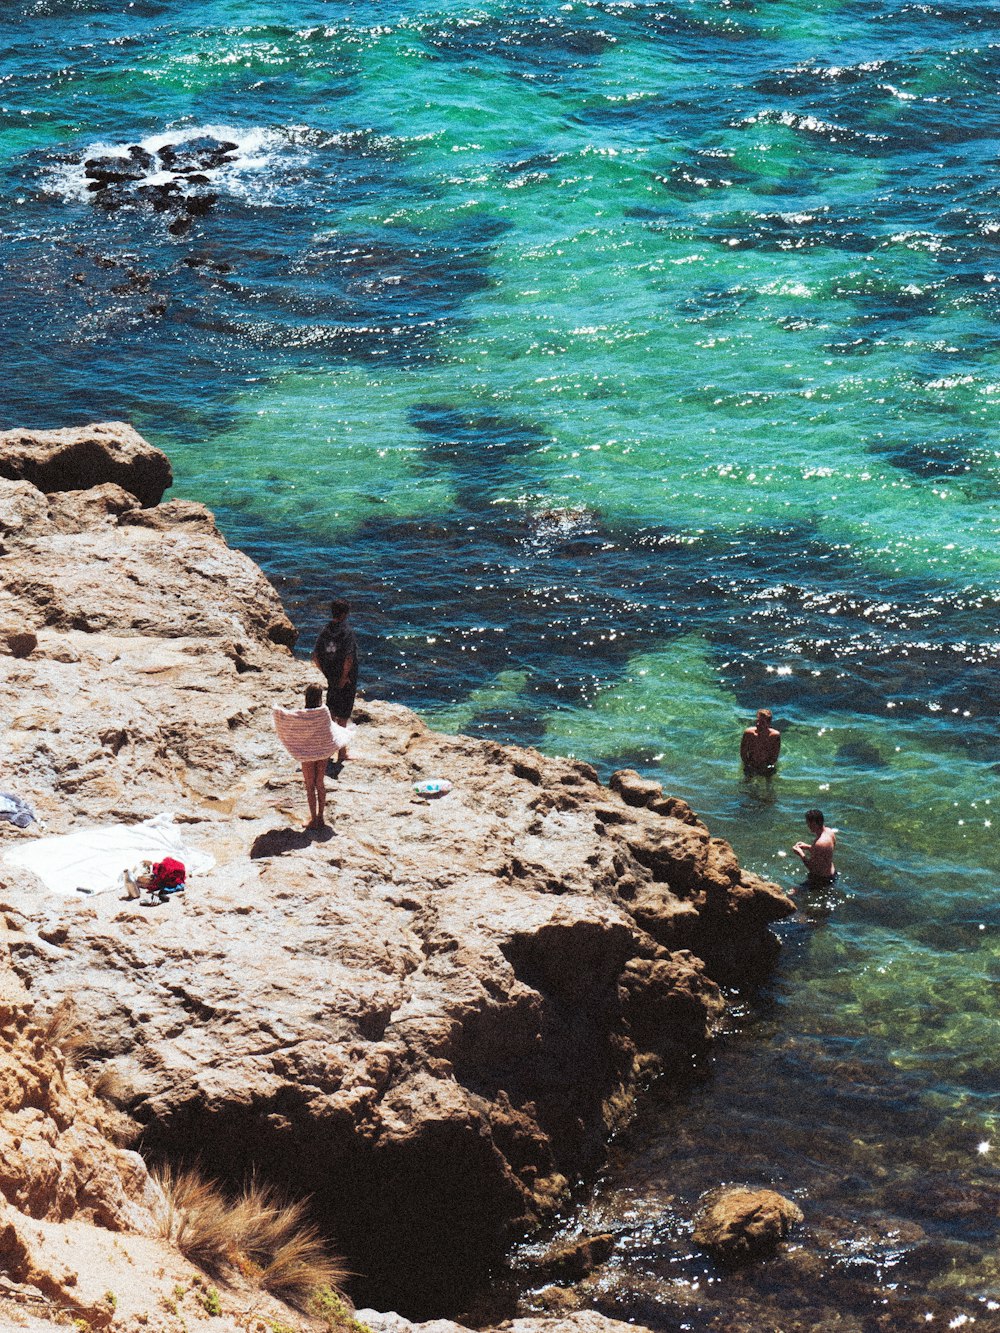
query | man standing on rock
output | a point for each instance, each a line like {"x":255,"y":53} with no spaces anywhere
{"x":336,"y":655}
{"x":761,"y":745}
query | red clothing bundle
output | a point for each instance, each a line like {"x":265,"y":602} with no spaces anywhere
{"x":166,"y":874}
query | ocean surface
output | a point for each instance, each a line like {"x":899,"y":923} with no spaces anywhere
{"x":630,"y":365}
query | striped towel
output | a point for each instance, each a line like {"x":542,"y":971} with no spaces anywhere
{"x":308,"y":734}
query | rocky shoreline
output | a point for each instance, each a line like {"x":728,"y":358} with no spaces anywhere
{"x":430,"y":1021}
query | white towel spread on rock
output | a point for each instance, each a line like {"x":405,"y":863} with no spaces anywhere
{"x":93,"y":859}
{"x":309,"y":734}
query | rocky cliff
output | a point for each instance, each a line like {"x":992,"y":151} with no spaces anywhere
{"x":428,"y":1018}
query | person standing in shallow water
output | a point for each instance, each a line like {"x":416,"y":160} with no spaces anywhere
{"x":817,"y":856}
{"x":761,"y":744}
{"x":336,"y":655}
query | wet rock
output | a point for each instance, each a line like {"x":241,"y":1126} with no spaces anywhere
{"x":738,"y":1225}
{"x":199,"y":154}
{"x":161,"y":196}
{"x":672,"y":1005}
{"x":114,"y":168}
{"x":79,"y":458}
{"x":110,"y":198}
{"x":197,"y":205}
{"x":575,"y":1259}
{"x":142,"y":157}
{"x":558,"y":1300}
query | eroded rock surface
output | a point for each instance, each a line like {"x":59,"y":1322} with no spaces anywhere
{"x":81,"y":1219}
{"x":84,"y":456}
{"x":430,"y":1020}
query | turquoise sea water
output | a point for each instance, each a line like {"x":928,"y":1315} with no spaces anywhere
{"x":631,"y":365}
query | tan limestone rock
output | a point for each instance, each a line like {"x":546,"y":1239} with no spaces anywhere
{"x":80,"y":457}
{"x":100,"y":506}
{"x":24,"y":511}
{"x":568,"y":1321}
{"x":429,"y":1018}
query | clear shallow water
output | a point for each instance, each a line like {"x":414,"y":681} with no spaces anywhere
{"x":631,"y":365}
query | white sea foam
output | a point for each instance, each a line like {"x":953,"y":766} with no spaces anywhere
{"x":250,"y":172}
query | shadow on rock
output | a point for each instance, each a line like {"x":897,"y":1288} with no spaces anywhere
{"x":277,"y":841}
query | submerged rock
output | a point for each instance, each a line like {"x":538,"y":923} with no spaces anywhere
{"x":573,"y":1259}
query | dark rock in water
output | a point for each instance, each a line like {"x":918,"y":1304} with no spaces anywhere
{"x":738,"y":1225}
{"x":111,"y":197}
{"x":860,"y":752}
{"x":199,"y":204}
{"x":179,"y":226}
{"x":162,"y":196}
{"x":201,"y":154}
{"x":113,"y":169}
{"x":141,"y":157}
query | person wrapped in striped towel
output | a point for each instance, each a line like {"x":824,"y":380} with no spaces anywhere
{"x":311,"y":736}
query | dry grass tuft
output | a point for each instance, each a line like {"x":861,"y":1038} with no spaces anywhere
{"x":64,"y":1030}
{"x":264,"y":1237}
{"x":111,"y":1085}
{"x":197,"y":1217}
{"x":300,"y":1265}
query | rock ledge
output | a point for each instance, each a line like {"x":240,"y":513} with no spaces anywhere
{"x":430,"y":1020}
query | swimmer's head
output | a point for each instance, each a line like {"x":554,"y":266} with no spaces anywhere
{"x":339,"y":608}
{"x":314,"y":696}
{"x":814,"y":818}
{"x":764,"y":716}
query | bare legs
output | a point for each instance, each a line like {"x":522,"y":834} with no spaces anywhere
{"x":342,"y":755}
{"x":312,"y":775}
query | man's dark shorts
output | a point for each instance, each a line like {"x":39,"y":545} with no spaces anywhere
{"x":341,"y":701}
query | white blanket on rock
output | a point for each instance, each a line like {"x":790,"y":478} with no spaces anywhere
{"x":93,"y":859}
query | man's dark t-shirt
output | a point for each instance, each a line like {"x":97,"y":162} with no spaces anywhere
{"x":335,"y":648}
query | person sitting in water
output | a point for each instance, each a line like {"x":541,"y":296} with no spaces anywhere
{"x":310,"y":736}
{"x":761,"y":744}
{"x":817,"y":856}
